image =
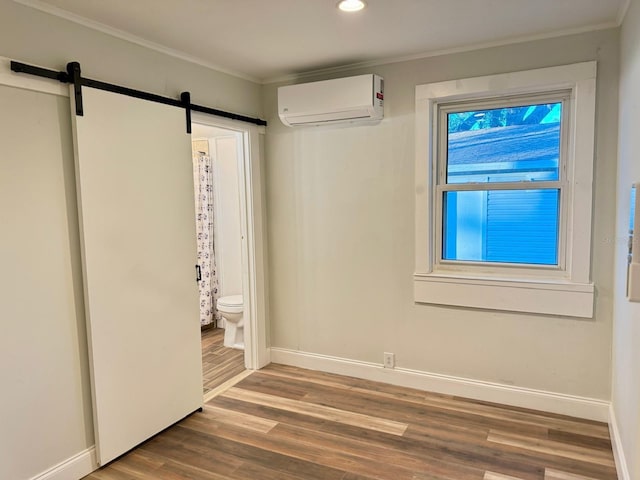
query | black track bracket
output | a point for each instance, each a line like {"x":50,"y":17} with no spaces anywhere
{"x":185,"y":97}
{"x":74,"y":77}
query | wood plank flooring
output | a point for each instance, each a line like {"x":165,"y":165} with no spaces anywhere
{"x":219,"y":363}
{"x":287,"y":423}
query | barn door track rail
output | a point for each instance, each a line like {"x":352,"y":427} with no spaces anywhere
{"x":73,"y":76}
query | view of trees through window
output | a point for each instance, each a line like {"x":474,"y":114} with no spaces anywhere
{"x":490,"y":149}
{"x":502,"y":117}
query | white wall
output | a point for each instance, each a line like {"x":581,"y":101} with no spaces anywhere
{"x":46,"y":407}
{"x":227,"y":210}
{"x":341,"y":239}
{"x":626,"y":341}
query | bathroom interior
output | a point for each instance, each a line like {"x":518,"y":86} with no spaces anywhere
{"x":216,"y":154}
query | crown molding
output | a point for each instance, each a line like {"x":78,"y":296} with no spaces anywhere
{"x":437,"y":53}
{"x":622,"y":12}
{"x":114,"y":32}
{"x":122,"y":35}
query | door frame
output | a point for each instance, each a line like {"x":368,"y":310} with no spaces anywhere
{"x":253,"y":232}
{"x":257,"y":352}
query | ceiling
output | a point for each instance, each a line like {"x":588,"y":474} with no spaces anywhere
{"x":267,"y":40}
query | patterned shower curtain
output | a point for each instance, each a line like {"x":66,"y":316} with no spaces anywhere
{"x":208,"y":284}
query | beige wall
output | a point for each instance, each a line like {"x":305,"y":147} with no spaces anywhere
{"x":626,"y":342}
{"x":341,"y":239}
{"x":36,"y":37}
{"x":340,"y":209}
{"x":46,"y":406}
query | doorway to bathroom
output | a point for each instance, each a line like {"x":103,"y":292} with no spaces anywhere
{"x":226,"y":235}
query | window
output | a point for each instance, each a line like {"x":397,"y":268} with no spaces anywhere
{"x":499,"y":185}
{"x":503,"y":199}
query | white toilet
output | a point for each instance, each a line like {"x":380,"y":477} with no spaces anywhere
{"x":231,"y":308}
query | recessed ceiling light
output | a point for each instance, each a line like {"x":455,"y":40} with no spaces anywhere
{"x":351,"y":5}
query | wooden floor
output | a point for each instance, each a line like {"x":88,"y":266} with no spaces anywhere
{"x":287,"y":423}
{"x":219,"y":363}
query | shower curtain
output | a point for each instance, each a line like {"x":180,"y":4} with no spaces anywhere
{"x":204,"y":196}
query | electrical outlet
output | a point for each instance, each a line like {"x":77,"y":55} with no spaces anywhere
{"x":389,"y":360}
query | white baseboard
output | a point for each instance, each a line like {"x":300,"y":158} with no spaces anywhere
{"x":616,"y":445}
{"x":581,"y":407}
{"x":73,"y":468}
{"x":84,"y":463}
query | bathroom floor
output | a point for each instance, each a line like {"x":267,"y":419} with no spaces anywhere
{"x":219,"y":363}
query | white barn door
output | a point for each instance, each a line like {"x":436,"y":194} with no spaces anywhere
{"x":135,"y":194}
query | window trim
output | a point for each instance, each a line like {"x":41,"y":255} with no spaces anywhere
{"x":567,"y":291}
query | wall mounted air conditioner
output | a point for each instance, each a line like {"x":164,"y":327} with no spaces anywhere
{"x":350,"y":99}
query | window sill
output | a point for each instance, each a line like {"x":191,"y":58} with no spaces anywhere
{"x":549,"y":297}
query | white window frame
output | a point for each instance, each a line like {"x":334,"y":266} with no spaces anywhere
{"x":565,"y":289}
{"x":441,"y":186}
